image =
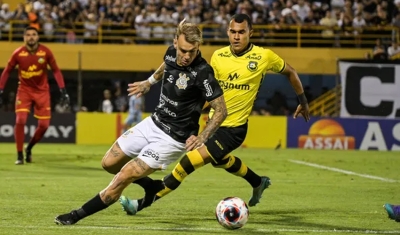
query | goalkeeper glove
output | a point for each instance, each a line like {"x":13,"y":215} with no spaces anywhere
{"x":64,"y":97}
{"x":1,"y":100}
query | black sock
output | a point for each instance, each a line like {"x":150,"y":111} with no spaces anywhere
{"x":29,"y":147}
{"x":140,"y":202}
{"x":92,"y":206}
{"x":237,"y":169}
{"x":20,"y":155}
{"x":252,"y":178}
{"x":144,"y":182}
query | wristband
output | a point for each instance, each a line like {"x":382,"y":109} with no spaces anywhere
{"x":302,"y":98}
{"x":152,"y":80}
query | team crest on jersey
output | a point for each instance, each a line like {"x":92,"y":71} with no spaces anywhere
{"x":252,"y":66}
{"x":41,"y":60}
{"x":181,"y":82}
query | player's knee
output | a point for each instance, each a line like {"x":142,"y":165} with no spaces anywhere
{"x":225,"y":162}
{"x":44,"y":123}
{"x":21,"y":118}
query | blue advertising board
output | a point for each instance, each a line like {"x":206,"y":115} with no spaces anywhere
{"x":344,"y":133}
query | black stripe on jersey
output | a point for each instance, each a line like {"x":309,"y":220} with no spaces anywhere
{"x":283,"y":68}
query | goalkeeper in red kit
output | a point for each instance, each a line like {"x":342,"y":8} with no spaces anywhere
{"x":33,"y":89}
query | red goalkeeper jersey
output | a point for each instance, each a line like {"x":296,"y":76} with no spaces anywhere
{"x":32,"y":69}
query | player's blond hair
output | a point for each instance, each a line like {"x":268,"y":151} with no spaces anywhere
{"x":191,"y":32}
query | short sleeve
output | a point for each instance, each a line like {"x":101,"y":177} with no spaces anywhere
{"x":208,"y":84}
{"x":275,"y":62}
{"x":213,"y":64}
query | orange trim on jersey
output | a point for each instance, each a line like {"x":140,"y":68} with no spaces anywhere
{"x":22,"y":110}
{"x":42,"y":117}
{"x":48,"y":108}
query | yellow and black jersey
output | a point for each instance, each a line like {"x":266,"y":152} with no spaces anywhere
{"x":240,"y":77}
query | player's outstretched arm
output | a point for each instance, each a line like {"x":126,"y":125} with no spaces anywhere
{"x":218,"y":104}
{"x":294,"y":80}
{"x":141,"y":88}
{"x":6,"y":73}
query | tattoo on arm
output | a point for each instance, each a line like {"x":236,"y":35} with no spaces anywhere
{"x":216,"y":120}
{"x":159,"y":73}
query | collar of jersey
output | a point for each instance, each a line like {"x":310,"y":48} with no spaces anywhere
{"x":244,"y":52}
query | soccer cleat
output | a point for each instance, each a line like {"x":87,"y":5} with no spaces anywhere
{"x":28,"y":157}
{"x":20,"y":159}
{"x":128,"y":205}
{"x":393,"y":211}
{"x":257,"y":192}
{"x":67,"y":219}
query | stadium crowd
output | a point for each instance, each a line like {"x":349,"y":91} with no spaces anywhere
{"x":78,"y":21}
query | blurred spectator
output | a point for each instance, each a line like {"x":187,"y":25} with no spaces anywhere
{"x":379,"y":51}
{"x":394,"y":51}
{"x":106,"y":106}
{"x":154,"y":21}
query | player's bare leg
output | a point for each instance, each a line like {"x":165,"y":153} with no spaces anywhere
{"x":133,"y":170}
{"x":114,"y":159}
{"x":189,"y":163}
{"x":19,"y":135}
{"x":43,"y":125}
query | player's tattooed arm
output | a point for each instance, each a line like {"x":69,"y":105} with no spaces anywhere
{"x":216,"y":120}
{"x":159,"y":73}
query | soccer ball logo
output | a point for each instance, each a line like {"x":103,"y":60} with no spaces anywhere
{"x":232,"y":213}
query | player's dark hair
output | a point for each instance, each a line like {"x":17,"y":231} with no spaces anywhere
{"x":31,"y":28}
{"x":239,"y":18}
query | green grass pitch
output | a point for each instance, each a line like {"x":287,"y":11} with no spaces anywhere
{"x":302,"y":199}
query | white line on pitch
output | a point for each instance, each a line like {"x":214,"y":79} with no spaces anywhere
{"x":344,"y":171}
{"x":199,"y":229}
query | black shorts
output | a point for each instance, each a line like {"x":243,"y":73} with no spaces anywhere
{"x":225,"y":140}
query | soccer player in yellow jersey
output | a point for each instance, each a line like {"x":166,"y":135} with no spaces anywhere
{"x":240,"y":69}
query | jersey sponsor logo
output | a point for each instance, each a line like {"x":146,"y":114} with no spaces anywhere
{"x":234,"y":76}
{"x":254,"y":56}
{"x":41,"y":53}
{"x":252,"y":66}
{"x":169,"y":112}
{"x":151,"y":153}
{"x":209,"y":90}
{"x":225,"y":54}
{"x":31,"y":72}
{"x":164,"y":126}
{"x":170,"y":58}
{"x":233,"y":86}
{"x":181,"y":82}
{"x":170,"y":79}
{"x":168,"y":100}
{"x":23,"y":53}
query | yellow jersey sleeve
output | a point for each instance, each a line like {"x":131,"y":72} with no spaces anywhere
{"x":275,"y":63}
{"x":213,"y":64}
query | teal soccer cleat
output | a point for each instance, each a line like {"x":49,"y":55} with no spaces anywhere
{"x":129,"y":206}
{"x":393,"y":211}
{"x":257,"y":192}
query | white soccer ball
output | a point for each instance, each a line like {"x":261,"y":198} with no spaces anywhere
{"x":232,"y":213}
